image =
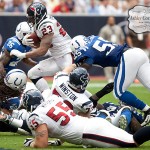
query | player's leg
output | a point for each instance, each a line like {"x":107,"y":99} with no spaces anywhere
{"x":47,"y":67}
{"x":125,"y":75}
{"x":104,"y":134}
{"x":64,"y":61}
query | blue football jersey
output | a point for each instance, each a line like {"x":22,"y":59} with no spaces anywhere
{"x":100,"y":51}
{"x":11,"y":44}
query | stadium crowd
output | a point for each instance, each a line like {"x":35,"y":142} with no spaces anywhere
{"x":100,"y":7}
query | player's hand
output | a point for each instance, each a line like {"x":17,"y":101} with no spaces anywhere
{"x":27,"y":41}
{"x":18,"y":54}
{"x":54,"y":143}
{"x":27,"y":142}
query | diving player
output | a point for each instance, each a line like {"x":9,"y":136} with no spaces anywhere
{"x":131,"y":62}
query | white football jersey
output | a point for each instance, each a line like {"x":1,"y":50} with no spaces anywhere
{"x":79,"y":102}
{"x":60,"y":119}
{"x":61,"y":40}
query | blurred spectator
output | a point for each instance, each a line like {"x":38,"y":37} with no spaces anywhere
{"x":71,"y":5}
{"x":106,"y":9}
{"x":2,"y":5}
{"x":113,"y":33}
{"x":53,"y":4}
{"x":17,"y":6}
{"x":117,"y":7}
{"x":80,"y":6}
{"x":128,"y":4}
{"x":61,"y":7}
{"x":93,"y":7}
{"x":26,"y":3}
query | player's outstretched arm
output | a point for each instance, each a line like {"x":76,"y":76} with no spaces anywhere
{"x":29,"y":61}
{"x":107,"y":89}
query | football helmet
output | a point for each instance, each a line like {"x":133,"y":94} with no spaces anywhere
{"x":78,"y":79}
{"x":11,"y":103}
{"x":78,"y":42}
{"x":22,"y":29}
{"x":36,"y":12}
{"x":16,"y":79}
{"x":31,"y":99}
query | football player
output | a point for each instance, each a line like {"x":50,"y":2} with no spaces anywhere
{"x":70,"y":84}
{"x":53,"y":38}
{"x":131,"y":62}
{"x":55,"y":119}
{"x":8,"y":62}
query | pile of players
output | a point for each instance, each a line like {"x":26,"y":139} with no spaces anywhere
{"x":67,"y":111}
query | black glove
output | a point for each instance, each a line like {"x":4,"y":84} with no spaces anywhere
{"x":27,"y":142}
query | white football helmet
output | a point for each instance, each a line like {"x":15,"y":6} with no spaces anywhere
{"x":16,"y":79}
{"x":78,"y":41}
{"x":22,"y":29}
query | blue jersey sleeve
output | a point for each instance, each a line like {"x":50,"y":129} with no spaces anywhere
{"x":10,"y":45}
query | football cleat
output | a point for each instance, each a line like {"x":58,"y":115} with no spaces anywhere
{"x":146,"y":118}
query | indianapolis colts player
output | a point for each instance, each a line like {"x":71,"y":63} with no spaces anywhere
{"x":131,"y":62}
{"x":8,"y":62}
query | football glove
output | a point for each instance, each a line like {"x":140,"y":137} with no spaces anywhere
{"x":28,"y":141}
{"x":54,"y":143}
{"x":18,"y":54}
{"x":27,"y":41}
{"x":146,"y":118}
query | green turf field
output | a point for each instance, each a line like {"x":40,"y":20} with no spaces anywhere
{"x":15,"y":141}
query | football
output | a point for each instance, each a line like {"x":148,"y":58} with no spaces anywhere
{"x":36,"y":39}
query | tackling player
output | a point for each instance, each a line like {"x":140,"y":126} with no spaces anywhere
{"x":53,"y":38}
{"x":8,"y":62}
{"x":131,"y":62}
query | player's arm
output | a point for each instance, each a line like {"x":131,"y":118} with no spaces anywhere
{"x":68,"y":69}
{"x":44,"y":46}
{"x":4,"y":59}
{"x":107,"y":89}
{"x":85,"y":62}
{"x":41,"y":137}
{"x":29,"y":61}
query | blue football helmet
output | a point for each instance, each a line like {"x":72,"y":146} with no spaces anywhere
{"x":78,"y":79}
{"x":31,"y":99}
{"x":11,"y":103}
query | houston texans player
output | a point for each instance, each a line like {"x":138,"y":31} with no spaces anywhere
{"x":53,"y":38}
{"x":8,"y":62}
{"x":131,"y":62}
